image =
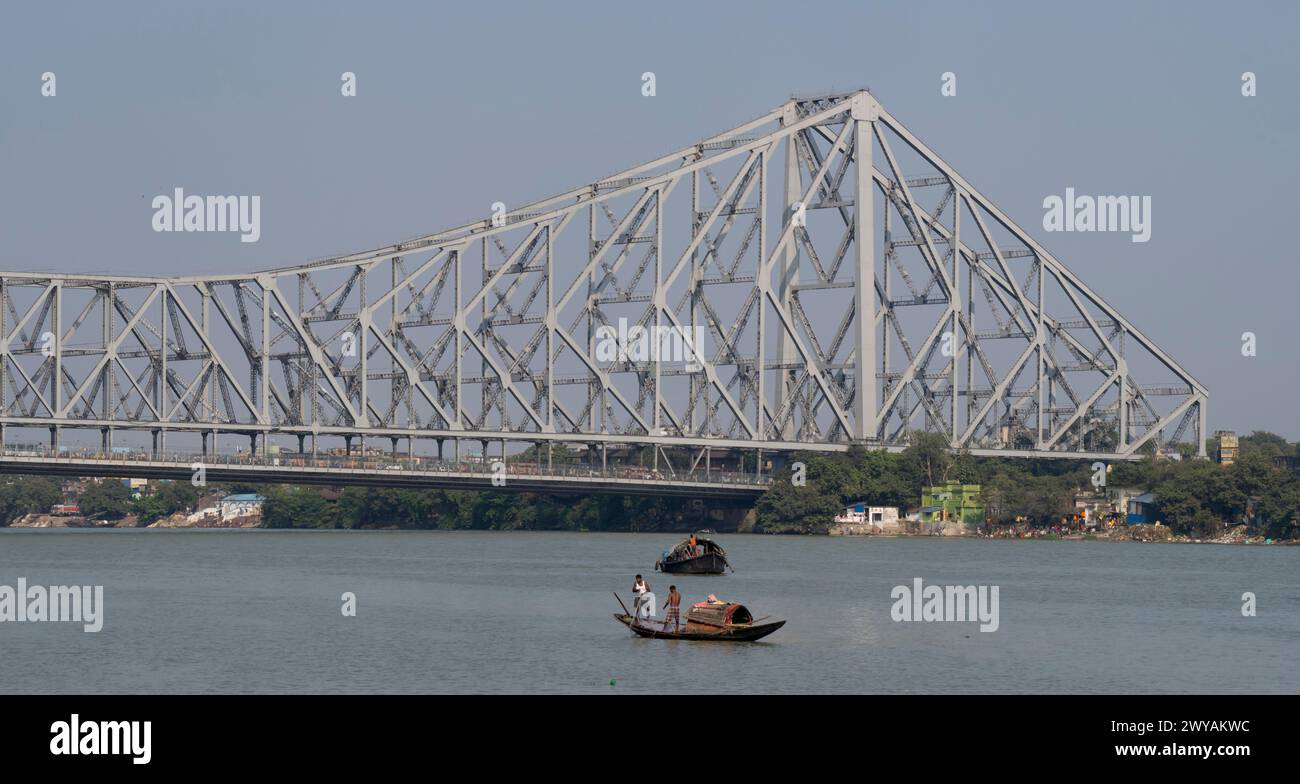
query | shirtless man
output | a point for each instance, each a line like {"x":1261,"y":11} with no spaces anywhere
{"x":673,"y":613}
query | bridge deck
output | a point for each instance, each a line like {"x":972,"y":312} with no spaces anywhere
{"x":401,"y":472}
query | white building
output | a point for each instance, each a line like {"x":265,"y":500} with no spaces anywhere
{"x":241,"y":505}
{"x":862,"y":519}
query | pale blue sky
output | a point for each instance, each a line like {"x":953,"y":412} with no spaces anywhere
{"x":460,"y":106}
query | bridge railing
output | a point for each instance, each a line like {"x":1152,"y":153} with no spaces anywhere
{"x":424,"y":465}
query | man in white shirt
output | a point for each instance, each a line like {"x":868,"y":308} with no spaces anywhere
{"x":645,"y":600}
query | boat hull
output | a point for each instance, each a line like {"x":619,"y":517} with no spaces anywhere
{"x":736,"y":633}
{"x":709,"y":563}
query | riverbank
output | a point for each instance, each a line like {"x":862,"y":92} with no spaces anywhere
{"x":70,"y":521}
{"x":1134,"y":533}
{"x":178,"y":520}
{"x":1156,"y":532}
{"x":1148,"y":533}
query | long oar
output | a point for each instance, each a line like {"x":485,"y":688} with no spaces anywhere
{"x":624,"y":606}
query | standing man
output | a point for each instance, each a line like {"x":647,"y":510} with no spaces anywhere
{"x":640,"y":588}
{"x":672,"y":613}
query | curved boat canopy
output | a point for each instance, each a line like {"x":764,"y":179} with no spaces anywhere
{"x":719,"y":614}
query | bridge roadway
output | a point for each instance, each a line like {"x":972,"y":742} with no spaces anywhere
{"x":396,"y":471}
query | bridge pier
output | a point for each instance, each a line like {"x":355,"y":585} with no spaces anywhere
{"x":54,"y":439}
{"x":347,"y":445}
{"x":106,"y":440}
{"x":252,"y":446}
{"x":440,"y":449}
{"x":393,"y":439}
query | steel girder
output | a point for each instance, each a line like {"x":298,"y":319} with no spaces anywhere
{"x":951,"y":319}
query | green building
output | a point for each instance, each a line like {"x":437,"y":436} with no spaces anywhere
{"x":954,"y":502}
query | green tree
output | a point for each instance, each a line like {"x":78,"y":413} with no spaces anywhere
{"x":176,"y":496}
{"x":148,"y":508}
{"x":930,"y":457}
{"x":106,"y":499}
{"x":788,"y":508}
{"x":1264,"y":443}
{"x":22,"y":495}
{"x":882,"y":479}
{"x":298,"y":507}
{"x":1279,"y":510}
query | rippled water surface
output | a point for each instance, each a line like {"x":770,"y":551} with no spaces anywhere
{"x":259,"y":611}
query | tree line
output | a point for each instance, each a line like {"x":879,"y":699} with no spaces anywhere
{"x":1194,"y":497}
{"x":105,"y":499}
{"x":289,"y":506}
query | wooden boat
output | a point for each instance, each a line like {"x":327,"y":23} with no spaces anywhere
{"x":707,"y":557}
{"x":706,"y":621}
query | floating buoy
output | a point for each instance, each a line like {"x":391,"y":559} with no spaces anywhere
{"x":611,"y":681}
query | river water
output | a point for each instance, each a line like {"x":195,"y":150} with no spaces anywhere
{"x":437,"y":612}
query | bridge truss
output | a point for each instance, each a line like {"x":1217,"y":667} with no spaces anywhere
{"x":949,"y":318}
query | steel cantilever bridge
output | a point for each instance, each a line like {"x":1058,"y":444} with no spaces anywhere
{"x":849,"y":286}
